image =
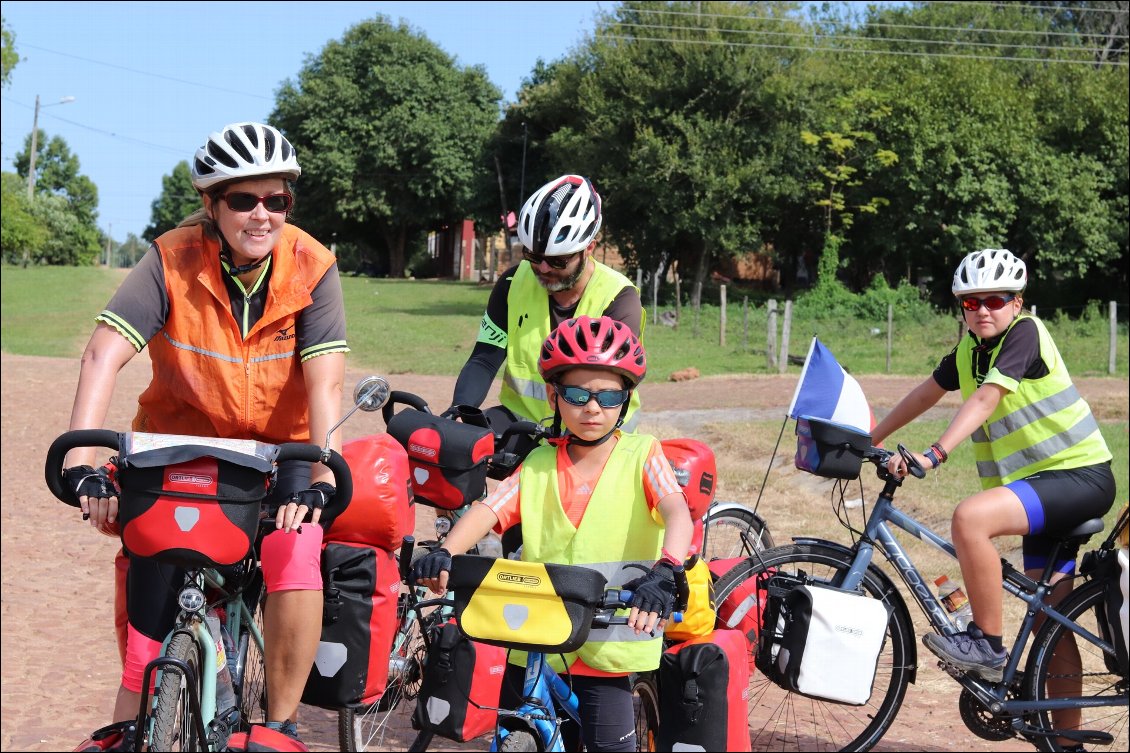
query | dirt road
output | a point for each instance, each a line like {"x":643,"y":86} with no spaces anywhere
{"x":59,"y":665}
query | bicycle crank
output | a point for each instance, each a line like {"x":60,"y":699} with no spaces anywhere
{"x":1088,"y":736}
{"x":983,"y":722}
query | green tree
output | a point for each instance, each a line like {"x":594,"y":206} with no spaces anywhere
{"x":21,"y":233}
{"x":390,"y":134}
{"x":690,"y":139}
{"x":128,"y":253}
{"x":60,"y":189}
{"x":178,"y":199}
{"x":9,"y":58}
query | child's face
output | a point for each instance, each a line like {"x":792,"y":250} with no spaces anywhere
{"x":984,"y":321}
{"x":588,"y":421}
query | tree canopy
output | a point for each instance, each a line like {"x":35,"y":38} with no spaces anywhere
{"x":178,"y":199}
{"x":390,"y":134}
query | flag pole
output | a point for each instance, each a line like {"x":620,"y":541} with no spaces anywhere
{"x":771,"y":459}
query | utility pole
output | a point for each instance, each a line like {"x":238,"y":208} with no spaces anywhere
{"x":109,"y":246}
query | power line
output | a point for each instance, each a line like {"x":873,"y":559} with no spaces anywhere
{"x":111,"y":134}
{"x":144,"y":73}
{"x":857,"y":38}
{"x":898,"y":53}
{"x":1029,"y":6}
{"x":870,"y":24}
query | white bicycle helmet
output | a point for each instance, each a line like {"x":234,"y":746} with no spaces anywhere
{"x":561,"y":218}
{"x":243,"y":150}
{"x":990,"y":269}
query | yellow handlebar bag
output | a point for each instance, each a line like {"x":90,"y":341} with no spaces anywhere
{"x":527,"y":606}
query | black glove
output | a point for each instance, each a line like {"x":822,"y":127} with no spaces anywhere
{"x":90,"y":482}
{"x":431,"y":565}
{"x":316,"y":497}
{"x":656,"y":591}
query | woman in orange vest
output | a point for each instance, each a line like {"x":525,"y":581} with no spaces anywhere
{"x":245,"y":324}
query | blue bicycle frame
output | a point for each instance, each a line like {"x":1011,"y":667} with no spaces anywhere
{"x":544,"y":692}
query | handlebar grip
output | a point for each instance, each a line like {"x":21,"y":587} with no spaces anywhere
{"x":404,"y":398}
{"x":64,"y":443}
{"x":912,"y":463}
{"x":405,"y":561}
{"x":343,"y":479}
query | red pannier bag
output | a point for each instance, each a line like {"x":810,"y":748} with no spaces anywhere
{"x":742,"y":609}
{"x":705,"y":689}
{"x":460,"y":676}
{"x":191,"y":505}
{"x":695,"y":470}
{"x":380,"y":513}
{"x":261,"y":738}
{"x":447,"y":458}
{"x":361,"y":586}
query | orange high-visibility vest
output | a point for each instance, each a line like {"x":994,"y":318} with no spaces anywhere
{"x":208,"y":379}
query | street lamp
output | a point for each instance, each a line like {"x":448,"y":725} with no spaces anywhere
{"x":35,"y":142}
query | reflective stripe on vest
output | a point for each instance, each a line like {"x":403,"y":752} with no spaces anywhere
{"x":616,"y":531}
{"x":527,"y":326}
{"x":1044,"y":425}
{"x":208,"y":378}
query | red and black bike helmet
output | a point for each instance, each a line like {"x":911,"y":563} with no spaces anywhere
{"x":602,"y":343}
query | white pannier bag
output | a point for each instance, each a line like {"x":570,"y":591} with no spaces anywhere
{"x":830,"y":643}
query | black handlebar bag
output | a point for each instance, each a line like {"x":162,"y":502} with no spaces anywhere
{"x":828,"y":449}
{"x":192,"y":505}
{"x":447,"y":459}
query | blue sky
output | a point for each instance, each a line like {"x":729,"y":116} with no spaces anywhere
{"x":151,"y":80}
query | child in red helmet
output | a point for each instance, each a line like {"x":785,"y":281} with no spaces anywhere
{"x":598,"y":498}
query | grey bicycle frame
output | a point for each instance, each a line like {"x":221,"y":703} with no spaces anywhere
{"x":1015,"y":582}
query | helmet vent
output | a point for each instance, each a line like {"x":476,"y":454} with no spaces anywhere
{"x":268,"y":146}
{"x":238,"y":146}
{"x":221,"y":156}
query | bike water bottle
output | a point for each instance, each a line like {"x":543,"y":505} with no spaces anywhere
{"x":955,"y":601}
{"x":225,"y":691}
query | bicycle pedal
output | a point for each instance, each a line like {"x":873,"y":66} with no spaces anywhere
{"x":1092,"y":736}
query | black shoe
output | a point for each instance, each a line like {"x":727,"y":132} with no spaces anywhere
{"x":112,"y":737}
{"x":969,"y":651}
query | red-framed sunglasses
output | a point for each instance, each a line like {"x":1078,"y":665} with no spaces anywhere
{"x":992,"y":302}
{"x":239,"y":201}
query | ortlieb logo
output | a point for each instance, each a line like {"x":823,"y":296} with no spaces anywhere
{"x":497,"y":669}
{"x":849,"y":630}
{"x":190,"y":478}
{"x":419,"y":449}
{"x":531,"y":581}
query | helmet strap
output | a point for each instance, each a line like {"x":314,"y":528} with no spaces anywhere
{"x":226,"y":258}
{"x":573,"y":439}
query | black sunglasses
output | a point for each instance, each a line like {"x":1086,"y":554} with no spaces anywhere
{"x":277,"y":203}
{"x":604,"y":398}
{"x":992,"y":302}
{"x":557,"y":262}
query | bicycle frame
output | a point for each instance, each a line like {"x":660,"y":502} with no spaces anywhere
{"x":543,"y":691}
{"x":878,"y":531}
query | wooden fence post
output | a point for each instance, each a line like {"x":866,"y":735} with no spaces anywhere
{"x":678,"y":300}
{"x":783,"y":363}
{"x":1113,"y":335}
{"x":890,"y":333}
{"x":745,"y":324}
{"x":697,"y":307}
{"x":771,"y":336}
{"x":722,"y":316}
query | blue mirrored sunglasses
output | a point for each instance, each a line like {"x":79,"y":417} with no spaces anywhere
{"x":604,"y":398}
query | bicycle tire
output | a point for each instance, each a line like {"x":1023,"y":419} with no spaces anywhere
{"x":174,"y":725}
{"x":251,"y":674}
{"x":387,"y":723}
{"x":735,"y":532}
{"x":781,"y":720}
{"x":519,"y":741}
{"x":645,"y":700}
{"x":1085,"y":605}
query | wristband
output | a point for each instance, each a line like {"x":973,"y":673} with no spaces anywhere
{"x":932,"y":457}
{"x":941,"y":451}
{"x":669,"y":559}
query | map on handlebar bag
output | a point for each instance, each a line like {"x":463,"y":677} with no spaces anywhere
{"x":143,"y":449}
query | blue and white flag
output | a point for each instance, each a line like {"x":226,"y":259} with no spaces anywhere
{"x":826,"y":391}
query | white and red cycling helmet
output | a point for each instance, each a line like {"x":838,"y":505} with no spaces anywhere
{"x":561,"y":218}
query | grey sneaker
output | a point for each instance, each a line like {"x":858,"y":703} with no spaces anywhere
{"x":969,"y":651}
{"x":288,"y":728}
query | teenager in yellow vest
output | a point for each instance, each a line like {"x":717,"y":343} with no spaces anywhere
{"x":245,"y":324}
{"x":599,"y":498}
{"x":1044,"y":466}
{"x":558,"y":279}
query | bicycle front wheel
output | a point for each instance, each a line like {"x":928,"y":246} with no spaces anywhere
{"x":781,"y":720}
{"x":1063,"y":665}
{"x":645,"y":700}
{"x":735,"y":532}
{"x":174,"y":723}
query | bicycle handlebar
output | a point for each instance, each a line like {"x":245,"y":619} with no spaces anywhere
{"x":880,"y":456}
{"x":64,"y":443}
{"x":404,"y":398}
